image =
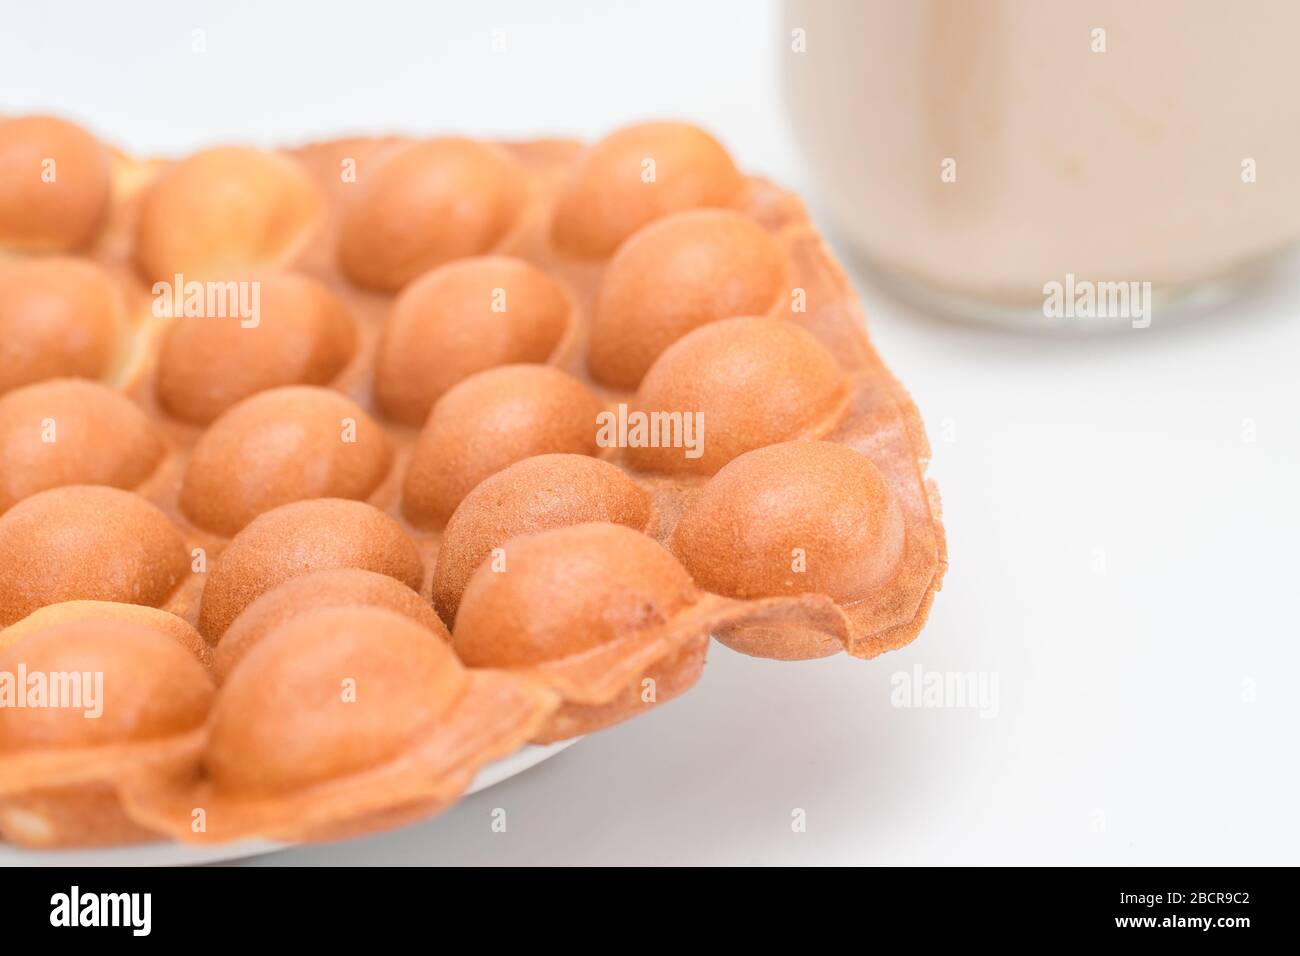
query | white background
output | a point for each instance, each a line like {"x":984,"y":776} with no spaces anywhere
{"x":1147,"y":713}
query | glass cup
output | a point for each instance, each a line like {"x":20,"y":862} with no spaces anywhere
{"x":1050,"y":162}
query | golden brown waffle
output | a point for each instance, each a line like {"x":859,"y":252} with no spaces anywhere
{"x":412,"y":460}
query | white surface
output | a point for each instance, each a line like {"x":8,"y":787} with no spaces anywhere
{"x":1156,"y":699}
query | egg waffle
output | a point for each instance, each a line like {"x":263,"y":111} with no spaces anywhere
{"x":496,"y":435}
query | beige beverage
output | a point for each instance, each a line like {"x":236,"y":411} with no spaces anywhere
{"x":984,"y":149}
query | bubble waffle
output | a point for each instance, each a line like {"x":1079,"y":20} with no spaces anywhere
{"x":332,"y":587}
{"x":599,"y":612}
{"x":341,"y":720}
{"x":60,"y":770}
{"x":502,"y":432}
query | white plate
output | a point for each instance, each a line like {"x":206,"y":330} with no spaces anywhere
{"x":176,"y":854}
